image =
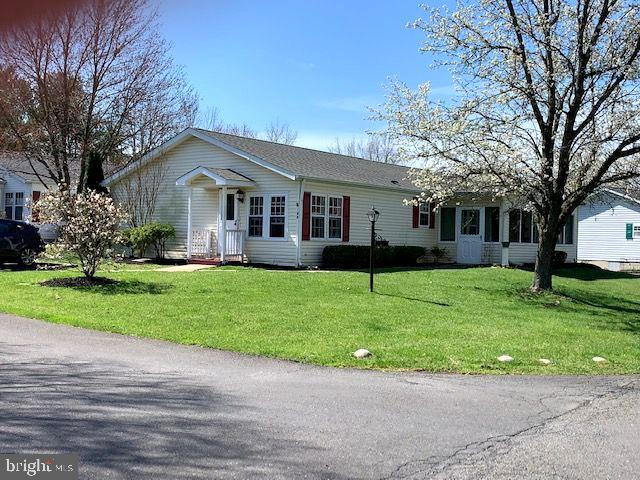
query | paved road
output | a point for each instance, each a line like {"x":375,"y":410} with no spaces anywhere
{"x":140,"y":409}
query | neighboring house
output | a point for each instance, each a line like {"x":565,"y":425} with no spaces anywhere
{"x":20,"y":187}
{"x":609,"y":231}
{"x":232,"y":197}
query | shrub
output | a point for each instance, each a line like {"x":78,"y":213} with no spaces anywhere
{"x":357,"y":256}
{"x":88,"y":225}
{"x":559,"y":258}
{"x":438,"y":253}
{"x":154,"y":233}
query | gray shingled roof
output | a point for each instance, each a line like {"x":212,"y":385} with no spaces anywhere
{"x":17,"y":163}
{"x":316,"y":164}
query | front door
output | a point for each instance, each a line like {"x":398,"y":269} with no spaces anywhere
{"x":231,"y":215}
{"x":470,"y":238}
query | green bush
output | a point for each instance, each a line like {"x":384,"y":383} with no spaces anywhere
{"x":357,"y":256}
{"x":559,"y":258}
{"x":152,"y":234}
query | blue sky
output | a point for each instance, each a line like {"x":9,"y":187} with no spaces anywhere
{"x":313,"y":64}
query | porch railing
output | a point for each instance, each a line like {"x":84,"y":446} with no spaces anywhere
{"x":235,"y":243}
{"x":201,"y":243}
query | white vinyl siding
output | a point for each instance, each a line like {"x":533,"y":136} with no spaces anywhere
{"x":172,"y":200}
{"x":20,"y":195}
{"x":394,"y":223}
{"x":602,"y":230}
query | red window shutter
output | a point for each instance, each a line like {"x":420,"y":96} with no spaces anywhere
{"x":432,"y":215}
{"x":35,"y":196}
{"x":346,"y":217}
{"x":306,"y":216}
{"x":416,"y":216}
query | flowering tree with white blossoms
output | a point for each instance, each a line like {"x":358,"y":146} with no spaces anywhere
{"x":547,"y":110}
{"x":88,"y":224}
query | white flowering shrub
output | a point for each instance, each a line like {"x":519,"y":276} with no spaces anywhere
{"x":88,"y":225}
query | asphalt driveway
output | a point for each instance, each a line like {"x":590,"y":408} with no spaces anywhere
{"x":136,"y":408}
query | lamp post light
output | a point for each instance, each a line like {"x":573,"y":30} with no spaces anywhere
{"x":373,"y":215}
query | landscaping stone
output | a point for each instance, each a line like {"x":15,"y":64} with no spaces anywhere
{"x":505,"y":358}
{"x":544,"y":361}
{"x":599,"y":359}
{"x":362,"y":353}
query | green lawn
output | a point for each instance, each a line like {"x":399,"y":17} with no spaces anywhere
{"x":440,"y":320}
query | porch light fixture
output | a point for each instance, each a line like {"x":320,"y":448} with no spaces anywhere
{"x":240,"y":196}
{"x":372,"y":215}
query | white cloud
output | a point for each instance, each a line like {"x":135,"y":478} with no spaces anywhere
{"x":351,"y":104}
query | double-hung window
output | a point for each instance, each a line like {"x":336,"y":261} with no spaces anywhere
{"x":326,"y":217}
{"x":18,"y":210}
{"x":8,"y":205}
{"x":277,"y":212}
{"x":424,"y":214}
{"x":335,"y":217}
{"x":256,"y":216}
{"x":318,"y":212}
{"x":636,"y":231}
{"x":270,"y":210}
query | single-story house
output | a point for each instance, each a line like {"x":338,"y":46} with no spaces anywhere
{"x":231,"y":197}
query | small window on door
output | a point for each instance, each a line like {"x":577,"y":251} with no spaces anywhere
{"x":231,"y":206}
{"x":470,"y":222}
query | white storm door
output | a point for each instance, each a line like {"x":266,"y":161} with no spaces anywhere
{"x":470,"y":235}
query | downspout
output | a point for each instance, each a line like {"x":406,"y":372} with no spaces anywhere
{"x":299,"y":226}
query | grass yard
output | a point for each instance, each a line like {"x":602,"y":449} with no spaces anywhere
{"x":439,"y":320}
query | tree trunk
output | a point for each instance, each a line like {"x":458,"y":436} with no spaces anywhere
{"x":542,"y":277}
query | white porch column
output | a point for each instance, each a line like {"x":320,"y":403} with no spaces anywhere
{"x":223,"y":220}
{"x":189,"y":222}
{"x":504,"y":237}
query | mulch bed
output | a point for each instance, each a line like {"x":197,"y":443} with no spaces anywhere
{"x":78,"y":282}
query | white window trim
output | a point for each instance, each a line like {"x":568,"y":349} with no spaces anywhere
{"x":636,"y":231}
{"x":266,"y":214}
{"x":455,"y":226}
{"x":14,"y":204}
{"x":255,"y":195}
{"x":326,"y":218}
{"x":329,"y":217}
{"x":420,"y":212}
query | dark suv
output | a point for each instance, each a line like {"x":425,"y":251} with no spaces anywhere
{"x":19,"y":242}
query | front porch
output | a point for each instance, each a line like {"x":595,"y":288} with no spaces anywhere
{"x":215,"y":231}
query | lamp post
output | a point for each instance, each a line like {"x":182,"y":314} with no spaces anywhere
{"x":373,"y":215}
